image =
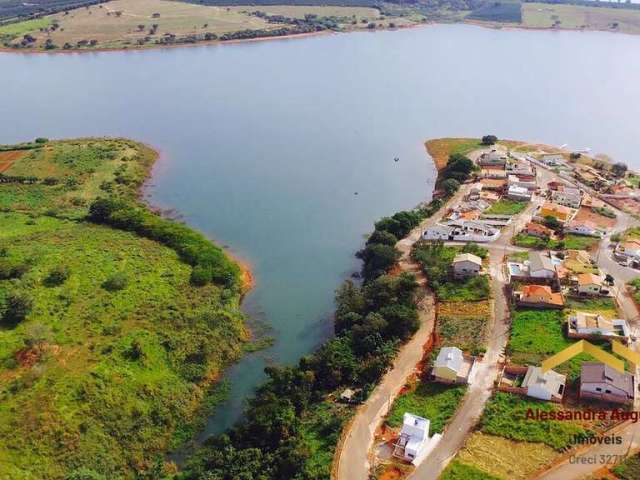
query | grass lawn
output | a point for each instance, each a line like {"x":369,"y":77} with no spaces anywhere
{"x":604,"y":306}
{"x":114,"y":360}
{"x":505,"y":206}
{"x":504,"y":458}
{"x":505,"y":416}
{"x":435,"y":401}
{"x":579,"y":242}
{"x":531,"y":241}
{"x":457,"y":470}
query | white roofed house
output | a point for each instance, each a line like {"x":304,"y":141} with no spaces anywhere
{"x":453,"y":366}
{"x":544,"y":386}
{"x":583,"y":227}
{"x":494,"y":157}
{"x":519,"y":194}
{"x":466,"y":265}
{"x":414,"y":443}
{"x":462,"y":231}
{"x":567,"y":196}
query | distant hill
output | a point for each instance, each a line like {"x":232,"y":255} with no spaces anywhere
{"x":17,"y":9}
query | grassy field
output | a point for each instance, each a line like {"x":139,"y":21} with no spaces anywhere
{"x":112,"y":356}
{"x":441,"y":148}
{"x":434,"y":401}
{"x":505,"y":416}
{"x":541,"y":15}
{"x":503,"y":458}
{"x":507,"y":207}
{"x":463,"y":324}
{"x":457,"y":470}
{"x":579,"y":242}
{"x":129,"y":23}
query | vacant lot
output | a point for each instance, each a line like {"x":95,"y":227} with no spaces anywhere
{"x":541,"y":15}
{"x":505,"y":416}
{"x":463,"y":324}
{"x":441,"y":148}
{"x":507,"y":207}
{"x":588,"y":214}
{"x":434,"y":401}
{"x":503,"y":458}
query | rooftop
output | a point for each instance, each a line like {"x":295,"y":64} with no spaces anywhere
{"x":592,"y":372}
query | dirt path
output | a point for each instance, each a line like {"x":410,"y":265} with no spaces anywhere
{"x":353,"y":458}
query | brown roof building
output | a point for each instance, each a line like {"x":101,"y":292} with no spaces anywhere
{"x":602,"y":382}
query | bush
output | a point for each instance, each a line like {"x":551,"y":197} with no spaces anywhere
{"x":84,"y":474}
{"x":11,"y":269}
{"x":117,"y":281}
{"x":57,"y":276}
{"x":17,"y":305}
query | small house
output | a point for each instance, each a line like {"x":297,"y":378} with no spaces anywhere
{"x":583,"y":227}
{"x":538,"y":230}
{"x":590,"y":284}
{"x":452,"y":366}
{"x":492,"y":158}
{"x":599,"y":381}
{"x":539,"y":296}
{"x":561,"y":213}
{"x":587,"y":325}
{"x":414,"y":442}
{"x":544,"y":386}
{"x":552,"y":159}
{"x":567,"y":196}
{"x":466,"y":265}
{"x":518,"y":194}
{"x":541,"y":265}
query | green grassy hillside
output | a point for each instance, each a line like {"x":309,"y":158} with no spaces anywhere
{"x":108,"y":351}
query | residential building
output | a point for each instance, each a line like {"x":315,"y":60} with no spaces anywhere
{"x":599,"y":381}
{"x":567,"y":196}
{"x":493,"y":172}
{"x":492,"y":158}
{"x":554,"y":185}
{"x":590,"y":284}
{"x":586,"y":324}
{"x":495,"y":184}
{"x":541,"y":265}
{"x":466,"y":265}
{"x":629,"y":250}
{"x":414,"y":442}
{"x":552,"y":160}
{"x":583,"y":227}
{"x":452,"y":366}
{"x":560,"y":212}
{"x":462,"y":231}
{"x":522,"y":181}
{"x":519,"y":194}
{"x":538,"y":230}
{"x":538,"y":296}
{"x":520,"y":167}
{"x":544,"y":386}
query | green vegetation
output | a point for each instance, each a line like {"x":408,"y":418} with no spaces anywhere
{"x":635,"y":284}
{"x":531,"y":241}
{"x":465,"y":332}
{"x":605,"y":212}
{"x":291,"y":426}
{"x":579,"y":242}
{"x":505,"y":11}
{"x":108,"y":354}
{"x":629,"y":469}
{"x":435,"y":401}
{"x":505,"y":416}
{"x":436,"y":259}
{"x":505,"y":206}
{"x":457,"y":470}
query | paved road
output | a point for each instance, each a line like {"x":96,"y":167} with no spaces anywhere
{"x":353,"y":458}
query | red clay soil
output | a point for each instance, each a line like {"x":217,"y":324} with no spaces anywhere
{"x":391,"y":473}
{"x":9,"y":158}
{"x":600,"y":220}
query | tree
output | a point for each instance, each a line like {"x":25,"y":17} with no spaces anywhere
{"x":384,"y":237}
{"x":489,"y":140}
{"x":619,"y":169}
{"x":450,"y":186}
{"x":57,"y":276}
{"x":17,"y":306}
{"x":552,"y":223}
{"x":378,"y":259}
{"x":115,"y":282}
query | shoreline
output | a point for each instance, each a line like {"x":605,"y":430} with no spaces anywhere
{"x":293,"y":36}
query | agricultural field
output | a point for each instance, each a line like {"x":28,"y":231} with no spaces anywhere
{"x":498,"y":457}
{"x":435,"y":401}
{"x":543,"y":15}
{"x":139,"y":23}
{"x":109,"y":354}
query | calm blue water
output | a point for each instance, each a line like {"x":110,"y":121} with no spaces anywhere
{"x":264,"y":144}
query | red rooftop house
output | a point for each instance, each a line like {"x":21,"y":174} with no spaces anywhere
{"x":538,"y":230}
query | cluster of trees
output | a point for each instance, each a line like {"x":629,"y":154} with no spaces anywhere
{"x":24,"y":179}
{"x":380,"y":253}
{"x":459,"y":168}
{"x":209,"y":262}
{"x":260,"y":33}
{"x":14,"y":11}
{"x":370,"y":322}
{"x":37,"y":143}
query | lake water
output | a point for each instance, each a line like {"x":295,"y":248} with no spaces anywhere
{"x":265,"y":144}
